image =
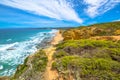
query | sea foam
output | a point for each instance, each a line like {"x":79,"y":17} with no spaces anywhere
{"x":11,"y":55}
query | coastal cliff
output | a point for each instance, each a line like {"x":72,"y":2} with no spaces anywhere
{"x":89,"y":52}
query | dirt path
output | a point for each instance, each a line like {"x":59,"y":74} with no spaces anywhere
{"x":52,"y":74}
{"x":113,"y":38}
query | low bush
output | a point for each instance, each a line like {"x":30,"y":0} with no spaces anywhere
{"x":88,"y":43}
{"x":95,"y":68}
{"x":59,"y":54}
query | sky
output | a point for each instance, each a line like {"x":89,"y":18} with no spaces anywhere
{"x":57,"y":13}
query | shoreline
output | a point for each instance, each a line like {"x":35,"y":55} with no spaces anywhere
{"x":54,"y":40}
{"x":27,"y":45}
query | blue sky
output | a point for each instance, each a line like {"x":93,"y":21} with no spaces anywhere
{"x":57,"y":13}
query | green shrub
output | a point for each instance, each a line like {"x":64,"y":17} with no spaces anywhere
{"x":33,"y":65}
{"x":89,"y":68}
{"x":59,"y":54}
{"x":40,"y":61}
{"x":114,"y":53}
{"x":21,"y":68}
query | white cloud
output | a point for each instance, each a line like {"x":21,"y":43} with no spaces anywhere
{"x":97,"y":7}
{"x":58,"y":9}
{"x":116,"y":20}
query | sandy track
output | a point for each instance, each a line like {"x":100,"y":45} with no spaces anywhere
{"x":49,"y":73}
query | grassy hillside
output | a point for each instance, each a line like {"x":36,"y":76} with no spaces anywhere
{"x":89,"y":52}
{"x":82,"y":57}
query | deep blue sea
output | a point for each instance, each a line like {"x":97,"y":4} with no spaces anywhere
{"x":17,"y":44}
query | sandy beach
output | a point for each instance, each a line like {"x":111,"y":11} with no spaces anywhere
{"x":57,"y":38}
{"x":51,"y":74}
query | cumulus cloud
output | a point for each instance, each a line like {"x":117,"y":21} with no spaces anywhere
{"x":57,"y":9}
{"x":97,"y":7}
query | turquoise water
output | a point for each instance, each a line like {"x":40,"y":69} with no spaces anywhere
{"x":17,"y":44}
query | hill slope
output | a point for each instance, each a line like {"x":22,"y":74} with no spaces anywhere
{"x":89,"y":52}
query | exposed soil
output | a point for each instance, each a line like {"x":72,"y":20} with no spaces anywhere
{"x":49,"y":73}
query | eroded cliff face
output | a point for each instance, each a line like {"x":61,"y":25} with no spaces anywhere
{"x":107,"y":30}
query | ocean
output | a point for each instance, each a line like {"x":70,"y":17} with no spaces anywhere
{"x":17,"y":44}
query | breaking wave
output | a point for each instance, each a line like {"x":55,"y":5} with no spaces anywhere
{"x":11,"y":55}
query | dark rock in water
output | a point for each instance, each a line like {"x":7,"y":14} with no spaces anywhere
{"x":9,"y":49}
{"x":45,"y":33}
{"x":44,"y":43}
